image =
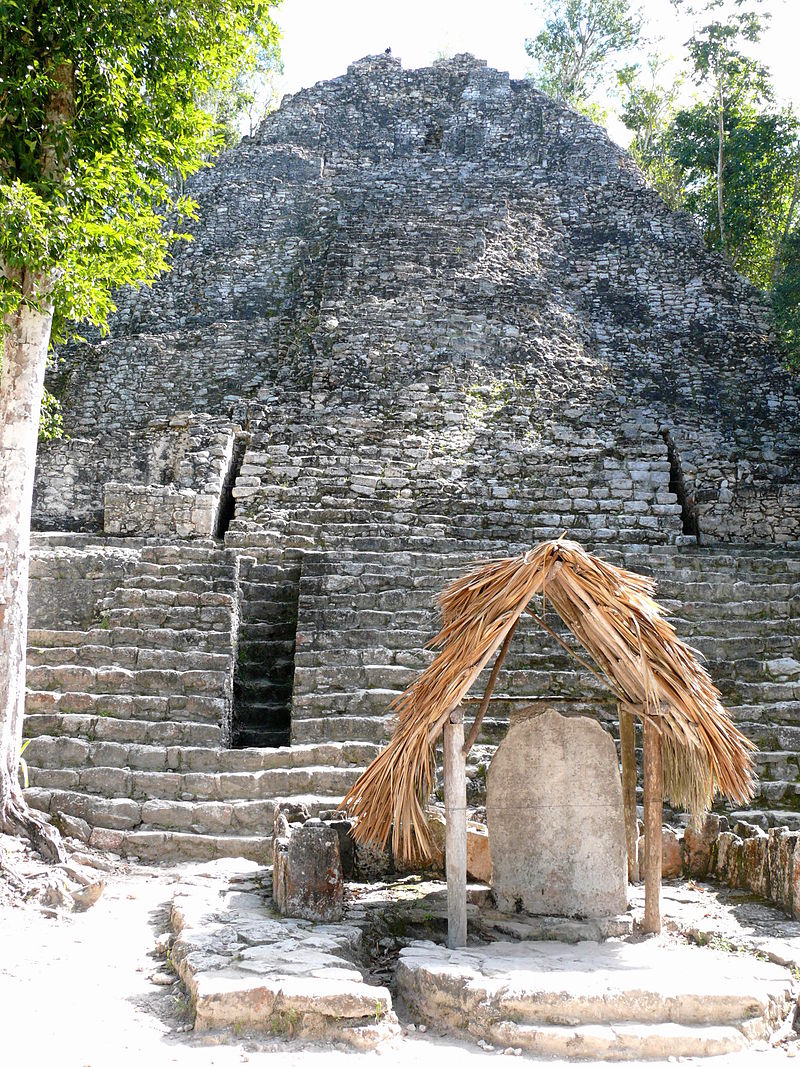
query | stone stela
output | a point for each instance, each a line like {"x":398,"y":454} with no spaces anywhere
{"x":556,"y":824}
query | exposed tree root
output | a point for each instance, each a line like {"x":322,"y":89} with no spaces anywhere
{"x":18,"y":820}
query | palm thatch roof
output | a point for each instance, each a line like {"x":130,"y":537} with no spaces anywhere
{"x":612,"y":613}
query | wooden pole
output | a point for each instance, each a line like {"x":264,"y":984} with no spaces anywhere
{"x":487,"y":696}
{"x":455,"y":800}
{"x":653,"y":790}
{"x":627,"y":747}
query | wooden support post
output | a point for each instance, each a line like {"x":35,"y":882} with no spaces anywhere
{"x":627,"y":747}
{"x":455,"y":800}
{"x":653,"y":790}
{"x":487,"y":696}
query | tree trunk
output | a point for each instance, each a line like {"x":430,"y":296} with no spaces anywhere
{"x":25,"y":342}
{"x":720,"y":162}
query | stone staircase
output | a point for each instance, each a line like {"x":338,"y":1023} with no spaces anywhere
{"x":366,"y":617}
{"x":264,"y":672}
{"x":131,"y":719}
{"x":163,"y":723}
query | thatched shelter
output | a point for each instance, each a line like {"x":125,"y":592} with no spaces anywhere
{"x":652,"y":673}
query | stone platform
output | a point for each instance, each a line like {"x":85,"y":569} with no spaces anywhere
{"x":615,"y":1000}
{"x":246,"y":968}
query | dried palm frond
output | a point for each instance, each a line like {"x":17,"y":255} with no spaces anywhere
{"x":613,"y":615}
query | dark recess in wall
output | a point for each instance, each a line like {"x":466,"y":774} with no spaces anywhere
{"x":677,"y":485}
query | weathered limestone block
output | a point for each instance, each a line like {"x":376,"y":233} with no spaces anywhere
{"x":697,"y":845}
{"x":554,"y":812}
{"x":307,"y":871}
{"x":671,"y":858}
{"x":479,"y":860}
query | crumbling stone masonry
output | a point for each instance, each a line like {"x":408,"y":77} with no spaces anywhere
{"x":426,"y":315}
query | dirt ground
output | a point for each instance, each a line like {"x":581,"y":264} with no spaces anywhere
{"x":92,"y":989}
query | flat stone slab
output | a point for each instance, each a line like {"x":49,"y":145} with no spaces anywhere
{"x":246,"y":967}
{"x":556,"y":825}
{"x":613,"y":1000}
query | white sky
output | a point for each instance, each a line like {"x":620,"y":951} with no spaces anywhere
{"x":321,"y":37}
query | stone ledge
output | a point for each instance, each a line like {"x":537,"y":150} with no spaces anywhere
{"x":245,"y":967}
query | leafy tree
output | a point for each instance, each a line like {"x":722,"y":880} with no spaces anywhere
{"x":786,"y":297}
{"x":575,"y":51}
{"x":240,"y":106}
{"x":648,"y":110}
{"x":101,"y":107}
{"x":718,"y":62}
{"x":759,"y":177}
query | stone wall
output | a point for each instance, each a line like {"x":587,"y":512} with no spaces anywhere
{"x":167,"y":479}
{"x":440,"y":290}
{"x":743,"y":856}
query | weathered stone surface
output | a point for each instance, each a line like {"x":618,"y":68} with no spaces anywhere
{"x":615,"y":1000}
{"x":671,"y":857}
{"x":479,"y":860}
{"x":697,"y":846}
{"x":554,"y":812}
{"x":243,"y":968}
{"x":307,"y":871}
{"x":455,"y":321}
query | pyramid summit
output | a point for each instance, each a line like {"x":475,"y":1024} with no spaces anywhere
{"x":425,"y":316}
{"x":445,"y":261}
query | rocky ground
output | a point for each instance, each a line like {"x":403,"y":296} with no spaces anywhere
{"x":94,"y":987}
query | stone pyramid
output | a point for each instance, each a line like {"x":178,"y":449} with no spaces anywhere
{"x":424,"y":316}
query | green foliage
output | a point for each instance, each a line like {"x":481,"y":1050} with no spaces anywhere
{"x":648,"y":109}
{"x":575,"y":51}
{"x":241,"y":105}
{"x":786,"y":298}
{"x":51,"y":424}
{"x":732,"y":158}
{"x":759,"y":174}
{"x":104,"y":105}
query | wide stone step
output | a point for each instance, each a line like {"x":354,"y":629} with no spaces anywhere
{"x":119,"y":731}
{"x":184,"y":552}
{"x":191,"y":786}
{"x":228,"y":818}
{"x":618,"y":1042}
{"x":127,"y":657}
{"x":178,"y":708}
{"x":134,"y":596}
{"x":607,"y":1000}
{"x":187,"y":640}
{"x":116,"y":680}
{"x":375,"y":729}
{"x":164,"y":617}
{"x":166,"y":846}
{"x":182,"y":583}
{"x":115,"y":813}
{"x":63,"y":752}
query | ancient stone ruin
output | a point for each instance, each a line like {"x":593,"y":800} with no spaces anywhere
{"x":426,"y":316}
{"x":554,"y":811}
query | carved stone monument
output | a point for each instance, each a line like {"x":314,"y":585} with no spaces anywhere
{"x":556,"y":826}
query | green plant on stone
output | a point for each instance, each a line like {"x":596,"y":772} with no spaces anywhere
{"x":379,"y":1010}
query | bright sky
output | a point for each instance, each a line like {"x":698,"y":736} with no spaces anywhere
{"x":321,"y":37}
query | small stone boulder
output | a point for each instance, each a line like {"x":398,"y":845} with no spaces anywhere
{"x":479,"y":860}
{"x":307,"y":871}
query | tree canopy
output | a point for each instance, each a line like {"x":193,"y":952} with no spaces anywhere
{"x":104,"y":112}
{"x":580,"y":39}
{"x":730,"y":155}
{"x":103,"y":108}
